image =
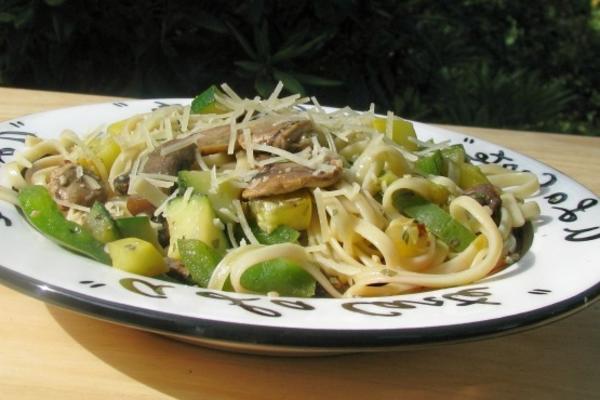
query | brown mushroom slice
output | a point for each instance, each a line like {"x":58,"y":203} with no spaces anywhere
{"x":287,"y":135}
{"x":170,"y":163}
{"x":287,"y":177}
{"x":75,"y":184}
{"x":487,"y":195}
{"x":214,"y":140}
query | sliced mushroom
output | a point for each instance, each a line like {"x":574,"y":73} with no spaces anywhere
{"x":486,"y":195}
{"x":287,"y":135}
{"x":177,"y":270}
{"x":171,"y":163}
{"x":287,"y":177}
{"x":214,"y":140}
{"x":75,"y":184}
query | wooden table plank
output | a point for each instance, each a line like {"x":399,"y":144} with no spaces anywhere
{"x":46,"y":351}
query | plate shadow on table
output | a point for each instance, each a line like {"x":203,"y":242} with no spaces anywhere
{"x":492,"y":368}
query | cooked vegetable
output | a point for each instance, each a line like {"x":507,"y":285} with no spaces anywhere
{"x":294,"y":211}
{"x":455,"y":153}
{"x":101,"y":225}
{"x":273,"y":196}
{"x":432,"y":164}
{"x":116,"y":127}
{"x":457,"y":167}
{"x":408,"y":237}
{"x":139,"y":205}
{"x":281,"y":276}
{"x":73,"y":183}
{"x":206,"y":103}
{"x":470,"y":176}
{"x":288,"y":177}
{"x":438,"y":193}
{"x":138,"y":227}
{"x":387,"y":179}
{"x":193,"y":218}
{"x":199,"y":258}
{"x":106,"y":149}
{"x":171,"y":163}
{"x":43,"y":213}
{"x":403,"y":132}
{"x":221,"y":196}
{"x":136,"y":256}
{"x":281,"y":234}
{"x":437,"y":221}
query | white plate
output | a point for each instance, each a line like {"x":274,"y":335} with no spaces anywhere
{"x":558,"y":275}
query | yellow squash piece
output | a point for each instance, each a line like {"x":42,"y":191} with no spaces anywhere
{"x":136,"y":256}
{"x":117,"y":127}
{"x":407,"y":239}
{"x":107,"y":150}
{"x":292,"y":210}
{"x":402,"y":131}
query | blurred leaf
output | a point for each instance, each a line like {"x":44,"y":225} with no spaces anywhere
{"x":289,"y":82}
{"x":250,"y":66}
{"x":264,"y":85}
{"x":23,"y":18}
{"x":316,"y":80}
{"x":6,"y":17}
{"x":242,"y":41}
{"x":209,"y":22}
{"x":294,"y":51}
{"x":54,"y":3}
{"x":261,"y":40}
{"x":493,"y":63}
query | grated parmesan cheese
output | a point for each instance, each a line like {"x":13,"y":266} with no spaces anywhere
{"x":229,"y":214}
{"x":325,"y":232}
{"x":218,"y":224}
{"x":231,"y":236}
{"x":161,"y":208}
{"x":71,"y":205}
{"x":276,"y":92}
{"x":143,"y":187}
{"x":200,"y":161}
{"x":185,"y":118}
{"x":91,"y":182}
{"x":244,"y":222}
{"x":214,"y":183}
{"x":187,"y":194}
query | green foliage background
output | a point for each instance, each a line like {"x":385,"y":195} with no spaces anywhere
{"x":498,"y":63}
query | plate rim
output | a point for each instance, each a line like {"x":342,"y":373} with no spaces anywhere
{"x":273,"y":337}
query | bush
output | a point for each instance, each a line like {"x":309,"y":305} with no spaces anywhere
{"x":495,"y":63}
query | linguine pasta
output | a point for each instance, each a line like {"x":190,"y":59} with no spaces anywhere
{"x":357,"y":240}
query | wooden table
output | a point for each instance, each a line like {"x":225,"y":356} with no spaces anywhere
{"x":48,"y":352}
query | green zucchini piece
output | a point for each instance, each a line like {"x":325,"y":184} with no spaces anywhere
{"x":206,"y":103}
{"x":193,"y":219}
{"x":471,"y":175}
{"x":435,"y":219}
{"x":138,"y":227}
{"x":221,"y":199}
{"x":432,"y":164}
{"x":101,"y":225}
